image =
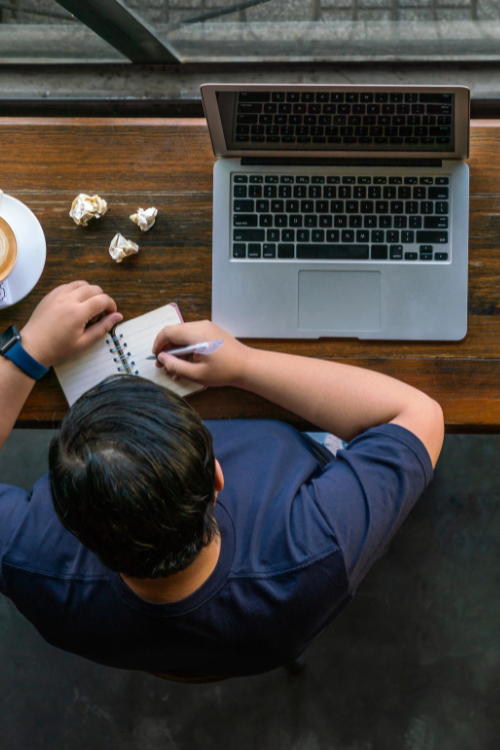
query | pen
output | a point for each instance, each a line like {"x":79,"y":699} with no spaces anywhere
{"x":204,"y":347}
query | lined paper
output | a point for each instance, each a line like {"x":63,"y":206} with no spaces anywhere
{"x":81,"y":373}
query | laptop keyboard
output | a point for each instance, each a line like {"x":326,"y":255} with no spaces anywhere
{"x":340,"y":217}
{"x":348,"y":118}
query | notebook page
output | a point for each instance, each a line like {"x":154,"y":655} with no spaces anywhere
{"x":139,"y":335}
{"x":83,"y":372}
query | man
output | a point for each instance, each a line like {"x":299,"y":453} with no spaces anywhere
{"x":148,"y":548}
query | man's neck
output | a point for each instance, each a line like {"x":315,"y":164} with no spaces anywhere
{"x":180,"y":585}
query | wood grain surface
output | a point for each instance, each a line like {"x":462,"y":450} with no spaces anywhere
{"x":168,"y":163}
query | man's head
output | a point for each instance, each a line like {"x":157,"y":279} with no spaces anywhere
{"x":133,"y":477}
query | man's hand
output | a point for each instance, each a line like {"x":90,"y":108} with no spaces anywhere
{"x":58,"y":328}
{"x":224,"y":367}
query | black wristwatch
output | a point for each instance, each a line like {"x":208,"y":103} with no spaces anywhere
{"x":11,"y":348}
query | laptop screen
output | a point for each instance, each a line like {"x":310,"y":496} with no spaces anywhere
{"x":337,"y":120}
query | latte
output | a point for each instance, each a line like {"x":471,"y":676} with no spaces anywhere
{"x":8,"y":249}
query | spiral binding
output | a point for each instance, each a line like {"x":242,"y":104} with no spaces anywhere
{"x":123,"y":357}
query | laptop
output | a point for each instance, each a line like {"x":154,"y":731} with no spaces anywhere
{"x":340,"y":210}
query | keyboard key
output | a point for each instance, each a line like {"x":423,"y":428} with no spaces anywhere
{"x":411,"y":180}
{"x":392,"y":236}
{"x":318,"y":235}
{"x":249,"y":235}
{"x":348,"y":180}
{"x":265,"y":220}
{"x":345,"y":192}
{"x":396,"y":252}
{"x":286,"y":251}
{"x":347,"y":235}
{"x":359,"y":192}
{"x":377,"y":235}
{"x":438,"y":193}
{"x":400,"y":222}
{"x":240,"y":178}
{"x":427,"y":180}
{"x":315,"y":191}
{"x":254,"y":250}
{"x":255,"y":191}
{"x":396,"y":207}
{"x":369,"y":222}
{"x":419,"y":193}
{"x":385,"y":222}
{"x":254,"y":96}
{"x":273,"y":235}
{"x":277,"y":207}
{"x":333,"y":235}
{"x":351,"y":207}
{"x":261,"y":206}
{"x":411,"y":256}
{"x":247,"y":119}
{"x":435,"y":222}
{"x":295,"y":220}
{"x":270,"y":191}
{"x":285,"y":191}
{"x":307,"y":207}
{"x":239,"y":250}
{"x":379,"y":252}
{"x":432,"y":237}
{"x":300,"y":191}
{"x":381,"y":207}
{"x":442,"y":180}
{"x":340,"y":221}
{"x":404,"y":193}
{"x":245,"y":220}
{"x":333,"y":252}
{"x":329,"y":191}
{"x":440,"y":256}
{"x":278,"y":96}
{"x":310,"y":221}
{"x":288,"y":235}
{"x":411,"y":207}
{"x":281,"y":220}
{"x":286,"y":178}
{"x":322,"y":207}
{"x":325,"y":221}
{"x":379,"y":180}
{"x":366,"y":207}
{"x":408,"y":236}
{"x":415,"y":222}
{"x":395,"y":180}
{"x":442,"y":208}
{"x":426,"y":207}
{"x":355,"y":221}
{"x":333,"y":180}
{"x":426,"y":252}
{"x":317,"y":179}
{"x":240,"y":191}
{"x":271,"y":179}
{"x":302,"y":179}
{"x":269,"y":251}
{"x":362,"y":235}
{"x":292,"y":207}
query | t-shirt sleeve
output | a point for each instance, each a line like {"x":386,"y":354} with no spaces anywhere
{"x":13,"y":505}
{"x":367,"y":492}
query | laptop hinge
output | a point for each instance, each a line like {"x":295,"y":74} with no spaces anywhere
{"x":292,"y":161}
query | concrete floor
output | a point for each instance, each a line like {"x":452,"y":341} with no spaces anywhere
{"x":412,"y":664}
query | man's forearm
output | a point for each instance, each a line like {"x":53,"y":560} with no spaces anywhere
{"x":15,"y":387}
{"x":338,"y":398}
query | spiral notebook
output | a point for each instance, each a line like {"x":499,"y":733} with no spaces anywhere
{"x":123,"y":350}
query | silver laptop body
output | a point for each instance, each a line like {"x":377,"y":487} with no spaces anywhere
{"x":340,"y":210}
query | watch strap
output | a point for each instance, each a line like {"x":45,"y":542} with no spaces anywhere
{"x":25,"y":361}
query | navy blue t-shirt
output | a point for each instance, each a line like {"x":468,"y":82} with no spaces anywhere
{"x":299,"y":531}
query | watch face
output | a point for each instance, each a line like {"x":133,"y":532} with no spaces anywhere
{"x":8,"y":338}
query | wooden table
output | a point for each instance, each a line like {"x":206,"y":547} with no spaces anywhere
{"x":168,"y":164}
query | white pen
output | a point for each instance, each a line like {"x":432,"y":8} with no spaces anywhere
{"x":204,"y":347}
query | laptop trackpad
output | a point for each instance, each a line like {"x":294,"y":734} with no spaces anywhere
{"x":339,"y":301}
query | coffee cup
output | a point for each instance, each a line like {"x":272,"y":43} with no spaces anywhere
{"x":8,"y":249}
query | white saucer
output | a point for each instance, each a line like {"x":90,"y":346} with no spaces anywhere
{"x":31,"y":249}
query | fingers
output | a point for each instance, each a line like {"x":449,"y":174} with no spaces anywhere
{"x":87,"y":291}
{"x":178,"y":368}
{"x":75,"y":284}
{"x":96,"y":331}
{"x":178,"y":335}
{"x":97,"y":305}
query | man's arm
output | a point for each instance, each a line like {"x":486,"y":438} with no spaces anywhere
{"x":57,"y":330}
{"x":337,"y":398}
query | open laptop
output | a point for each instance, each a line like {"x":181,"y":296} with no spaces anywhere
{"x":340,"y":210}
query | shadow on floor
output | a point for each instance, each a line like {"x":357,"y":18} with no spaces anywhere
{"x":412,"y":664}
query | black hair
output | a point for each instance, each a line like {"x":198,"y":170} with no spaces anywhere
{"x":132,"y":474}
